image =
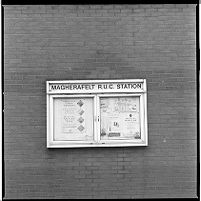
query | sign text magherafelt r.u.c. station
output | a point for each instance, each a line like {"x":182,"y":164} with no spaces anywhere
{"x":95,"y":87}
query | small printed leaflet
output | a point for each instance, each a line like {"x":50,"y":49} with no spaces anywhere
{"x":120,"y":118}
{"x":72,"y":120}
{"x":74,"y":117}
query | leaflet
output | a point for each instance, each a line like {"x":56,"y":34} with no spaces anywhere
{"x":73,"y":113}
{"x":120,"y":118}
{"x":73,"y":119}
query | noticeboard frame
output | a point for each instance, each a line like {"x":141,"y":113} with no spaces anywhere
{"x":142,"y":93}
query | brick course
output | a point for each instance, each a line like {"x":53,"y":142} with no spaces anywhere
{"x":66,"y":42}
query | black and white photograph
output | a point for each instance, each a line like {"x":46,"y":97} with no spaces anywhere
{"x":100,"y":101}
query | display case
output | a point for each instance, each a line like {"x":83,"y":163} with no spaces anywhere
{"x":96,"y":113}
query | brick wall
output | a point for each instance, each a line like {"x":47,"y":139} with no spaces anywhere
{"x":153,"y":42}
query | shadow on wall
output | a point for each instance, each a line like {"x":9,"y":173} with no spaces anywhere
{"x":100,"y":64}
{"x":104,"y":65}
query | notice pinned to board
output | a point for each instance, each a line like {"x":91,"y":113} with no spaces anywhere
{"x":73,"y":113}
{"x":74,"y":119}
{"x":120,"y":118}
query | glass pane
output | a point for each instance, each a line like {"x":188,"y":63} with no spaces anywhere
{"x":73,"y":119}
{"x":120,"y":118}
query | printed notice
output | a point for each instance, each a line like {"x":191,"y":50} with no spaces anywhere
{"x":120,"y":118}
{"x":73,"y":113}
{"x":73,"y":119}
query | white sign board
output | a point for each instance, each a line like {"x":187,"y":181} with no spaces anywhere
{"x":96,"y":113}
{"x":93,"y":86}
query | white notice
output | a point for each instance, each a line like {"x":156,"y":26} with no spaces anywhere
{"x":73,"y":113}
{"x":73,"y":119}
{"x":120,"y":118}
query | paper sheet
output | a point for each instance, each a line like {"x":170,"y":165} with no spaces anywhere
{"x":120,"y":118}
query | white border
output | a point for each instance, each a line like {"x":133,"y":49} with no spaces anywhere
{"x":50,"y":124}
{"x":97,"y":142}
{"x":94,"y":81}
{"x":143,"y":134}
{"x":95,"y":91}
{"x":1,"y":106}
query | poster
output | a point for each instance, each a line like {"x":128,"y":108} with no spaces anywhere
{"x":73,"y":113}
{"x":120,"y":118}
{"x":73,"y":119}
